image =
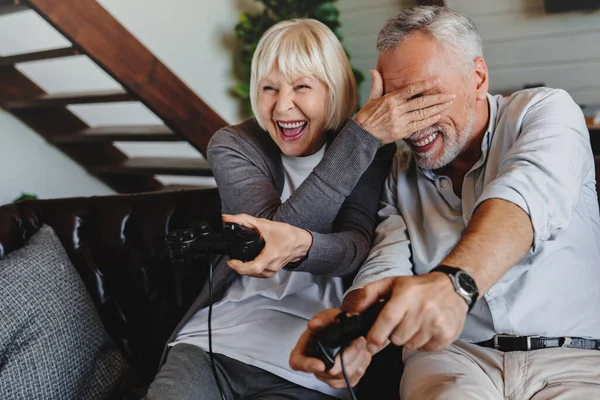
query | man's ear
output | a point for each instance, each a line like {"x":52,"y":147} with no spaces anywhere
{"x":481,"y":78}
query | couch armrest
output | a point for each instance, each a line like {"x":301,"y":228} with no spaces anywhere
{"x":16,"y":227}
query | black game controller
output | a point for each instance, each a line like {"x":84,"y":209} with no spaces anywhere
{"x":185,"y":245}
{"x":348,"y":327}
{"x":235,"y":241}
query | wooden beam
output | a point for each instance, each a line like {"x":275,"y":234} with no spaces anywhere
{"x":91,"y":28}
{"x":173,"y":188}
{"x":65,"y":99}
{"x":158,"y":166}
{"x":38,"y":55}
{"x":111,"y":134}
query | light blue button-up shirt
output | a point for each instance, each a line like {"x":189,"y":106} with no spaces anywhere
{"x":537,"y":155}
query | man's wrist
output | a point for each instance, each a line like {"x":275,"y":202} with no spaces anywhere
{"x":464,"y":284}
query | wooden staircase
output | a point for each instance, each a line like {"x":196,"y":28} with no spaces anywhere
{"x":93,"y":32}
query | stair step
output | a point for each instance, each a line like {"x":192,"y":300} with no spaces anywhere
{"x":64,"y":99}
{"x":159,"y":166}
{"x":142,"y":133}
{"x":12,"y":6}
{"x":38,"y":55}
{"x":173,"y":188}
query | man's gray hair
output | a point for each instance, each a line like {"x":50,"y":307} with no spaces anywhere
{"x":455,"y":33}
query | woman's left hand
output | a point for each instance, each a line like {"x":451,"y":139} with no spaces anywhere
{"x":284,"y":244}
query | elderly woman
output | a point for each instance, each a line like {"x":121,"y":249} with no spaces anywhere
{"x":308,"y":178}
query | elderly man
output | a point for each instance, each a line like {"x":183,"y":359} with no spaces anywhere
{"x":488,"y":248}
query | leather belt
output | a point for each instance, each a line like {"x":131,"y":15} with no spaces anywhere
{"x":525,"y":343}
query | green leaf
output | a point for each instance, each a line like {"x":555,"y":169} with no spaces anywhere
{"x":25,"y":196}
{"x":242,"y":90}
{"x":327,"y":12}
{"x":244,"y":25}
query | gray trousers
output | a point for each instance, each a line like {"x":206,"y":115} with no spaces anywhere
{"x":187,"y":375}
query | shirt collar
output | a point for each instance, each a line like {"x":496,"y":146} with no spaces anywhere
{"x":487,"y":138}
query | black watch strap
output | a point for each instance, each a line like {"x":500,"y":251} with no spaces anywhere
{"x":464,"y":284}
{"x":446,"y":269}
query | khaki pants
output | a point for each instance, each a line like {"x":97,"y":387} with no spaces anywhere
{"x":466,"y":371}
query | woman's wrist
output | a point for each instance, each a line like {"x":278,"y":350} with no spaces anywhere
{"x":303,"y":240}
{"x":304,"y":243}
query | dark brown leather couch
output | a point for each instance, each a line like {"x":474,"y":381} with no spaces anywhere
{"x":116,"y":243}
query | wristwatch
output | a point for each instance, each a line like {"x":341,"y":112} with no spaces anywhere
{"x":464,"y":284}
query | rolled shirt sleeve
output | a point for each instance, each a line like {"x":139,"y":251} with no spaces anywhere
{"x":544,"y":171}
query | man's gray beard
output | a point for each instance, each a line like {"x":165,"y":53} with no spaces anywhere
{"x":451,"y":149}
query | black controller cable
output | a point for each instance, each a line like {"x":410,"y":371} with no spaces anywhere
{"x":210,"y":350}
{"x":350,"y":389}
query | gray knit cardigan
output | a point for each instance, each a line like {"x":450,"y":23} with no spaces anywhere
{"x":337,"y":203}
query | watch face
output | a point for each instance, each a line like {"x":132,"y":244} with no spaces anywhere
{"x":466,"y":283}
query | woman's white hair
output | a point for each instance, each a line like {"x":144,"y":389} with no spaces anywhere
{"x":304,"y":47}
{"x":455,"y":33}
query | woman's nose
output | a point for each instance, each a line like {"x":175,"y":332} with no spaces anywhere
{"x":285,"y":102}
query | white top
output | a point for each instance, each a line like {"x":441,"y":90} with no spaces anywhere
{"x":259,"y":321}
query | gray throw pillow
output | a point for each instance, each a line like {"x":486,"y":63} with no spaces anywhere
{"x":52,"y":342}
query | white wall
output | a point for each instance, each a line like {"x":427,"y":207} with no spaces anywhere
{"x":194,"y":38}
{"x":28,"y":164}
{"x":523,"y":44}
{"x":361,"y":21}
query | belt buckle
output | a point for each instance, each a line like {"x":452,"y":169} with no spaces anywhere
{"x":503,"y":335}
{"x":527,"y":340}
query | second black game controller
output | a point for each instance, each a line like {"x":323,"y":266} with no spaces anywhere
{"x":347,"y":328}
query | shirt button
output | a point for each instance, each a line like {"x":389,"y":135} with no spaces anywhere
{"x":469,"y":217}
{"x":445,"y":183}
{"x":491,"y":293}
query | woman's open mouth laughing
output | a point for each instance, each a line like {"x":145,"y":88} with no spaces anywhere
{"x":291,"y":130}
